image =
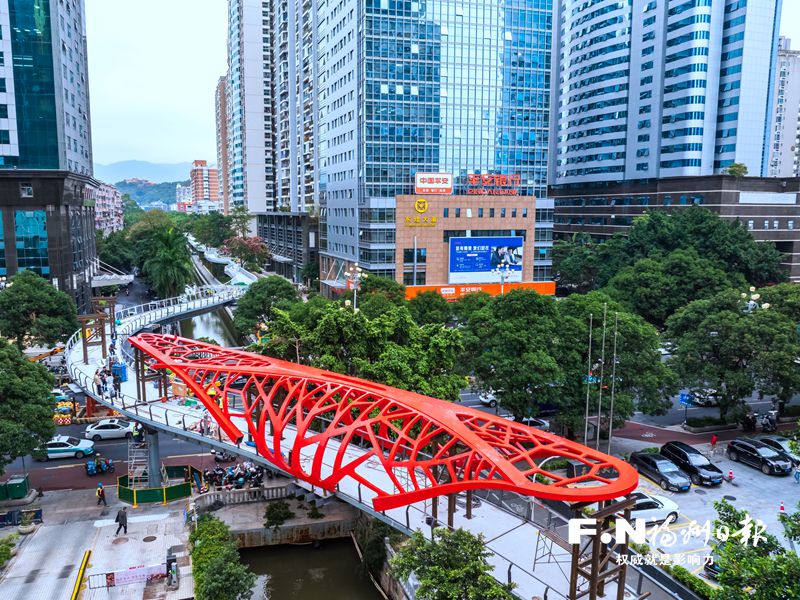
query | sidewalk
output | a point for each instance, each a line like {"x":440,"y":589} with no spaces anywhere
{"x":47,"y":564}
{"x":656,"y":435}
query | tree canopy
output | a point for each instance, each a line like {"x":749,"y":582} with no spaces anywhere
{"x":452,"y":566}
{"x":257,"y":304}
{"x":583,"y":265}
{"x":429,"y":308}
{"x":33,"y":310}
{"x":26,"y":410}
{"x":721,"y":343}
{"x":168,"y":268}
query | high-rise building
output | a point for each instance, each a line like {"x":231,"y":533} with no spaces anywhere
{"x":453,"y":87}
{"x":661,"y":88}
{"x":221,"y":102}
{"x":47,"y":218}
{"x":108,"y":209}
{"x":250,"y":105}
{"x":204,"y":181}
{"x":784,"y":160}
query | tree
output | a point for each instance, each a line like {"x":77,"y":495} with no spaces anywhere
{"x":723,"y":344}
{"x":452,"y":566}
{"x":395,"y":292}
{"x":226,"y":577}
{"x":240,"y":219}
{"x":737,"y":170}
{"x":657,"y":286}
{"x":310,"y":275}
{"x":582,"y":264}
{"x":429,"y":308}
{"x":131,"y":211}
{"x":748,"y":571}
{"x":33,"y":310}
{"x":783,"y":298}
{"x":169,"y":268}
{"x":258,"y":302}
{"x":211,"y":229}
{"x":26,"y":410}
{"x":250,"y":251}
{"x":467,"y":305}
{"x":116,"y":250}
{"x":144,"y":232}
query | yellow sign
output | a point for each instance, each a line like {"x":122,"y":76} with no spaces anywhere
{"x":420,"y":221}
{"x":421,"y":205}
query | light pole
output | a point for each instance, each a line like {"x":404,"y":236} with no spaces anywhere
{"x":504,"y":272}
{"x":354,"y":275}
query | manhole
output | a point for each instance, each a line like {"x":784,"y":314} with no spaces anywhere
{"x":120,"y":540}
{"x":730,"y":498}
{"x":699,"y":491}
{"x":149,"y":538}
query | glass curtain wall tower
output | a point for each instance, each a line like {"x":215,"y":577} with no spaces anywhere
{"x":458,"y":86}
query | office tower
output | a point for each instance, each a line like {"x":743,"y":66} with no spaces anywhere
{"x":221,"y":104}
{"x":454,"y":88}
{"x":661,"y":88}
{"x":785,"y":130}
{"x":46,"y":189}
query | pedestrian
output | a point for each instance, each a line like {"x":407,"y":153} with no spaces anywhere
{"x":714,"y":443}
{"x":98,"y":383}
{"x":110,"y":385}
{"x":101,"y":495}
{"x":117,"y":384}
{"x":797,"y":473}
{"x":122,"y":519}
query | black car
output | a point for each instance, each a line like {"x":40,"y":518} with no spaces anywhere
{"x":661,"y":470}
{"x":757,"y":454}
{"x":692,"y":462}
{"x":711,"y":564}
{"x":780,"y":444}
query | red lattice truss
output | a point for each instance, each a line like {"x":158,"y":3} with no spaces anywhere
{"x":323,"y":427}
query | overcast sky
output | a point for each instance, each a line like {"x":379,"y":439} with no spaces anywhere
{"x":153,"y":67}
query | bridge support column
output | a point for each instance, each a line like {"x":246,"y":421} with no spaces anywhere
{"x":435,"y":508}
{"x":451,"y":509}
{"x":469,"y":504}
{"x":153,"y":460}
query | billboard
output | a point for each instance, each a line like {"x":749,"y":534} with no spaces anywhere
{"x":473,"y":258}
{"x":433,"y":183}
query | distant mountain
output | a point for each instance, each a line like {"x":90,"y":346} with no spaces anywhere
{"x":146,"y":192}
{"x":140,"y":169}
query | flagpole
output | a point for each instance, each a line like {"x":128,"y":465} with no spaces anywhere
{"x":613,"y":384}
{"x":588,"y":384}
{"x":602,"y":370}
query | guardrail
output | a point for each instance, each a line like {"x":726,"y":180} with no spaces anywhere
{"x":242,"y":496}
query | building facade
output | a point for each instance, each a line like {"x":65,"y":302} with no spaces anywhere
{"x":459,"y":87}
{"x":784,"y":158}
{"x":768,"y":207}
{"x":221,"y":104}
{"x":204,"y":182}
{"x":293,"y":242}
{"x":460,"y":244}
{"x":47,"y":194}
{"x":655,"y":88}
{"x":108,"y":209}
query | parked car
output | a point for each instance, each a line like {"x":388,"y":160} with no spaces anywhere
{"x":653,"y":509}
{"x":705,"y":397}
{"x":63,"y":446}
{"x":757,"y":454}
{"x":536,"y":422}
{"x":107,"y":429}
{"x":711,"y":565}
{"x":780,"y":444}
{"x":661,"y":470}
{"x":488,"y":399}
{"x":692,"y":462}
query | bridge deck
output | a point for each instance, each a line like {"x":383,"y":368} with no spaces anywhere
{"x":510,"y":538}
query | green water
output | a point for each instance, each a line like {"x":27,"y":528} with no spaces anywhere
{"x":211,"y":325}
{"x":329,"y":572}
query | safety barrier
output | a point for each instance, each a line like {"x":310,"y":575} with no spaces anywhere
{"x":242,"y":496}
{"x":163,"y":494}
{"x":76,"y":588}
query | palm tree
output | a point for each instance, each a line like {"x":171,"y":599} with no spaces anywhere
{"x":169,"y":269}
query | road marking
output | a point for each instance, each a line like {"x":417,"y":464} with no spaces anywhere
{"x":188,"y":455}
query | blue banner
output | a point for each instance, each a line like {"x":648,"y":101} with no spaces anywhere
{"x":477,"y":259}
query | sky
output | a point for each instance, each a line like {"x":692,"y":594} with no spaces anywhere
{"x":153,"y":69}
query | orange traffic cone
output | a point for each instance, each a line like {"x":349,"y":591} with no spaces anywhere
{"x":782,"y":510}
{"x":730,"y":475}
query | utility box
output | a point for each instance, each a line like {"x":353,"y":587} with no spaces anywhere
{"x":3,"y":491}
{"x":17,"y":487}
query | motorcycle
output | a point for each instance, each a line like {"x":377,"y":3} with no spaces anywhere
{"x":769,"y":422}
{"x":223,"y":456}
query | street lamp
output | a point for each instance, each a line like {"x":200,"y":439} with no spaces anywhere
{"x":504,"y":271}
{"x":5,"y":284}
{"x":354,"y":275}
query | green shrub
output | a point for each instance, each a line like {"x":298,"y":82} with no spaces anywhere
{"x":792,"y":411}
{"x":277,"y":514}
{"x":705,"y":421}
{"x":315,"y":513}
{"x":556,"y":464}
{"x":693,"y":582}
{"x":642,"y":549}
{"x":216,"y":568}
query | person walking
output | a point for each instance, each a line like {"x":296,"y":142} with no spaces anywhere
{"x":98,"y":383}
{"x":101,"y":495}
{"x":797,"y":474}
{"x":117,"y":384}
{"x":714,"y":444}
{"x":122,"y":519}
{"x":110,"y":386}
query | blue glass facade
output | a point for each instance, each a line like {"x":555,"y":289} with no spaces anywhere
{"x":444,"y":86}
{"x":30,"y":228}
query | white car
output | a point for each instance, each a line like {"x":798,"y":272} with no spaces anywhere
{"x":107,"y":429}
{"x":63,"y":446}
{"x":536,"y":422}
{"x":488,"y":399}
{"x":653,"y":509}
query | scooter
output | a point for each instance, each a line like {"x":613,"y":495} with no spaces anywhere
{"x":769,"y":422}
{"x":97,"y":467}
{"x":223,"y":456}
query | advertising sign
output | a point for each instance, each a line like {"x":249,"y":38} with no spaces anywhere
{"x":137,"y":574}
{"x":473,"y":258}
{"x":433,"y":183}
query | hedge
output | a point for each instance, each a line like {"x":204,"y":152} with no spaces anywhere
{"x":693,"y":582}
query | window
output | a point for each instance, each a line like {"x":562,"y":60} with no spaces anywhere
{"x":750,"y":225}
{"x":408,"y":255}
{"x":502,"y":213}
{"x":524,"y":213}
{"x":3,"y":111}
{"x":5,"y":136}
{"x":445,"y":213}
{"x":789,"y":224}
{"x":458,"y":213}
{"x":480,"y":213}
{"x":775,"y":225}
{"x":469,"y":213}
{"x":644,"y":137}
{"x":30,"y":228}
{"x":513,"y":213}
{"x":766,"y":224}
{"x":25,"y":190}
{"x":491,"y":213}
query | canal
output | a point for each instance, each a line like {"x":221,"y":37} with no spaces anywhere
{"x":330,"y":572}
{"x":215,"y":325}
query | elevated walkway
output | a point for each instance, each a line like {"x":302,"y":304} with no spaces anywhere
{"x":511,"y":534}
